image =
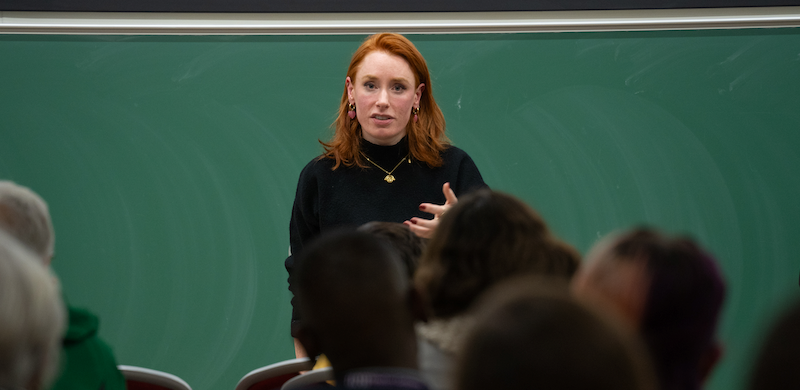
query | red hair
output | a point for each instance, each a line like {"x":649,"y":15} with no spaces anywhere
{"x":426,"y":138}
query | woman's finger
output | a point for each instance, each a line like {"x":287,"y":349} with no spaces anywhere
{"x":449,"y":194}
{"x":419,"y":230}
{"x":431,"y":208}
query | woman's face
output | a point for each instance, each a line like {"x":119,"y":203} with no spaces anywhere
{"x":383,"y":92}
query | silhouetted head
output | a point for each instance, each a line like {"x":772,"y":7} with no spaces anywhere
{"x":776,"y":367}
{"x":356,"y":301}
{"x":670,"y":290}
{"x":485,"y":238}
{"x":531,"y":334}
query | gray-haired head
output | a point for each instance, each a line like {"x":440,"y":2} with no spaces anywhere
{"x":32,"y":318}
{"x":25,"y":216}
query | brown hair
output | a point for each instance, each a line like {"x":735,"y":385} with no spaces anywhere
{"x":408,"y":245}
{"x":530,"y":333}
{"x":487,"y":237}
{"x":426,"y":138}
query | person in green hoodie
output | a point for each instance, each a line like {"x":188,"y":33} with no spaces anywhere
{"x":87,"y":361}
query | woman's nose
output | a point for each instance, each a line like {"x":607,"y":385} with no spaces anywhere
{"x":383,"y":98}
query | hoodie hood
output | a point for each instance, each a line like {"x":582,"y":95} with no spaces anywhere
{"x":82,"y":325}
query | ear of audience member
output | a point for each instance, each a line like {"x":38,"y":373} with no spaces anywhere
{"x":777,"y":363}
{"x":31,"y":319}
{"x":358,"y":309}
{"x":484,"y":239}
{"x":529,"y":333}
{"x":409,"y":245}
{"x":670,"y":290}
{"x":89,"y":361}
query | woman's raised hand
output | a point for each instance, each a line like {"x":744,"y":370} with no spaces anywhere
{"x":425,"y":227}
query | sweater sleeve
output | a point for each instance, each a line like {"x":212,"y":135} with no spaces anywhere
{"x":303,"y":226}
{"x":469,"y":177}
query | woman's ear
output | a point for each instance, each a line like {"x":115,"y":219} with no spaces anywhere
{"x":348,"y":85}
{"x":418,"y":94}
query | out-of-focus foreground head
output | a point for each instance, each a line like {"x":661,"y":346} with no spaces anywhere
{"x":531,"y":334}
{"x":32,"y":318}
{"x":486,"y":237}
{"x":356,"y":302}
{"x":776,"y":367}
{"x":409,"y":245}
{"x":670,"y":290}
{"x":24,"y":215}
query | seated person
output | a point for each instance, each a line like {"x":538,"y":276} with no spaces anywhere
{"x":669,"y":290}
{"x":88,"y":362}
{"x":776,"y":367}
{"x":32,"y":319}
{"x":531,"y":334}
{"x":408,"y":245}
{"x":485,"y":238}
{"x":359,"y":309}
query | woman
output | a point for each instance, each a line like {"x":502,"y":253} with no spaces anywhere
{"x":389,"y":155}
{"x":486,"y":238}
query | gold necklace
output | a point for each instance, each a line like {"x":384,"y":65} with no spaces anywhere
{"x":389,"y":177}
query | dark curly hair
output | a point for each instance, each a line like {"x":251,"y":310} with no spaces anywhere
{"x":487,"y":237}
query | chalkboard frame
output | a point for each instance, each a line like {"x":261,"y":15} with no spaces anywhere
{"x":314,"y":6}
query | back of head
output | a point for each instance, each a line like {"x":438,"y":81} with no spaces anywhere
{"x":684,"y":296}
{"x":776,"y":367}
{"x":24,"y":215}
{"x":530,"y":334}
{"x":32,"y":318}
{"x":487,"y":237}
{"x":409,"y":245}
{"x":352,"y":295}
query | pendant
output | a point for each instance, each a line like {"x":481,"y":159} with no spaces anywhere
{"x":389,"y":178}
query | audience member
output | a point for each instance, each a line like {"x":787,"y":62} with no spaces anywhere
{"x":408,"y":244}
{"x":31,"y":319}
{"x":669,"y":290}
{"x":529,"y":333}
{"x":485,"y":238}
{"x":776,"y":367}
{"x":88,"y":362}
{"x":359,"y":309}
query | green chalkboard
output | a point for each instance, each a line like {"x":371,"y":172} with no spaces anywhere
{"x":170,"y":164}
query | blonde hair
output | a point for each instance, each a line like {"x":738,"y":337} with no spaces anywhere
{"x":32,"y":318}
{"x":25,"y":216}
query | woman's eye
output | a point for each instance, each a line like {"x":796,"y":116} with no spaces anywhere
{"x":399,"y":88}
{"x":369,"y":85}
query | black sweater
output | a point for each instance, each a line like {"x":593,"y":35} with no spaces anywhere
{"x":352,"y":196}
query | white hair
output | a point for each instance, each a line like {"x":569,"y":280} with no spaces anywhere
{"x":32,"y":318}
{"x":25,"y":216}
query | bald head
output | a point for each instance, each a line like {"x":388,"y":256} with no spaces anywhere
{"x":25,"y":216}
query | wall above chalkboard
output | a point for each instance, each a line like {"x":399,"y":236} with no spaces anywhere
{"x":373,"y":6}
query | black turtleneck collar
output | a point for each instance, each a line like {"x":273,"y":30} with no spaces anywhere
{"x":385,"y":155}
